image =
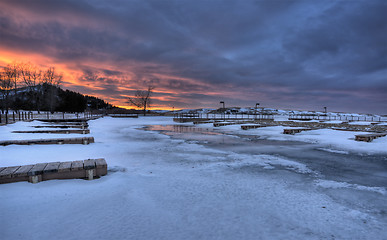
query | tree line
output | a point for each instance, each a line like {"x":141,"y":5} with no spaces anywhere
{"x":25,"y":86}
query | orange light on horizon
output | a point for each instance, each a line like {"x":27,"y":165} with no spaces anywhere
{"x":151,"y":108}
{"x":115,"y":89}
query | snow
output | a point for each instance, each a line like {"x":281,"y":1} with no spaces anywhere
{"x":333,"y":122}
{"x":332,"y":139}
{"x":360,"y":123}
{"x":159,"y":187}
{"x":334,"y":184}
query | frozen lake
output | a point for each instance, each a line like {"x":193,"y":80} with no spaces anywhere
{"x":334,"y":170}
{"x":171,"y":181}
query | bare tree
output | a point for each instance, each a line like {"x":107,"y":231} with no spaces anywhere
{"x":13,"y":70}
{"x":142,"y":99}
{"x":6,"y":84}
{"x":32,"y":77}
{"x":53,"y":80}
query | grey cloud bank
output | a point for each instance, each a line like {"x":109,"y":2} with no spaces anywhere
{"x":285,"y":54}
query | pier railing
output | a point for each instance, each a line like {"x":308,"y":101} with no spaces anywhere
{"x":190,"y":117}
{"x":14,"y":116}
{"x":197,"y":117}
{"x":346,"y":118}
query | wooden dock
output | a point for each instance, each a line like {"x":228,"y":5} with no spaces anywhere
{"x":68,"y":131}
{"x":203,"y":122}
{"x":295,"y":130}
{"x":84,"y":140}
{"x":124,"y":115}
{"x":87,"y":169}
{"x":369,"y":137}
{"x":61,"y":126}
{"x":252,"y":126}
{"x":85,"y":124}
{"x":78,"y":120}
{"x":221,"y":124}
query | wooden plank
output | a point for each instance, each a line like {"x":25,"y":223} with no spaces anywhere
{"x":88,"y":140}
{"x":84,"y":131}
{"x":7,"y":173}
{"x":295,"y":130}
{"x":100,"y":163}
{"x":101,"y":167}
{"x":51,"y":167}
{"x":64,"y":167}
{"x":37,"y":169}
{"x":369,"y":137}
{"x":246,"y":127}
{"x":89,"y":164}
{"x":22,"y":171}
{"x":76,"y":165}
{"x":61,"y":126}
{"x":84,"y":140}
{"x":63,"y":120}
{"x":54,"y":170}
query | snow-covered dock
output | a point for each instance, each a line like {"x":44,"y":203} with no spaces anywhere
{"x":68,"y":131}
{"x":54,"y":170}
{"x":369,"y":137}
{"x":251,"y":126}
{"x":295,"y":130}
{"x":62,"y":126}
{"x":84,"y":140}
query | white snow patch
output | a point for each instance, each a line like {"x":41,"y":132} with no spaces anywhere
{"x":340,"y":140}
{"x":360,"y":123}
{"x":333,"y":150}
{"x":265,"y":161}
{"x":335,"y":184}
{"x":333,"y":122}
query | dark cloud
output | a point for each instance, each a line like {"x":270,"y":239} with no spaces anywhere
{"x":285,"y":53}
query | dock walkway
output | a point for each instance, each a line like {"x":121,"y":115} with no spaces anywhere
{"x":87,"y":169}
{"x":369,"y":137}
{"x":83,"y":140}
{"x":68,"y":131}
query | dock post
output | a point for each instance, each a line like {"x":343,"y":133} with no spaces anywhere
{"x":90,"y":174}
{"x":35,"y":179}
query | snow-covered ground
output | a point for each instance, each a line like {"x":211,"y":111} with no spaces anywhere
{"x":163,"y":187}
{"x":332,"y":139}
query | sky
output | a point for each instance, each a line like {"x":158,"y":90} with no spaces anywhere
{"x":302,"y":55}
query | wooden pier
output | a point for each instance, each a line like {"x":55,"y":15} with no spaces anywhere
{"x":369,"y":137}
{"x":68,"y":131}
{"x":87,"y":169}
{"x":295,"y":130}
{"x":221,"y":124}
{"x":61,"y":126}
{"x":252,"y":126}
{"x":203,"y":122}
{"x":84,"y":140}
{"x":124,"y":115}
{"x":77,"y":120}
